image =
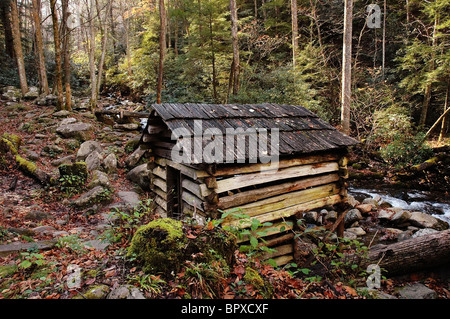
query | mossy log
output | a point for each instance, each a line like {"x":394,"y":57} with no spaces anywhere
{"x":11,"y":143}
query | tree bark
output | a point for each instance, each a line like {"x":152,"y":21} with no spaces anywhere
{"x":162,"y":49}
{"x":4,"y":10}
{"x":294,"y":14}
{"x":93,"y":102}
{"x":40,"y":47}
{"x":17,"y":43}
{"x":347,"y":68}
{"x":445,"y":118}
{"x":427,"y":96}
{"x":413,"y":254}
{"x":66,"y":54}
{"x":58,"y":71}
{"x":235,"y":42}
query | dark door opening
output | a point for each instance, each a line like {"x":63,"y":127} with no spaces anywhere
{"x":174,"y":192}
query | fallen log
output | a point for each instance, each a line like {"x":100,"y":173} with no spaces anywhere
{"x":411,"y":255}
{"x":122,"y":113}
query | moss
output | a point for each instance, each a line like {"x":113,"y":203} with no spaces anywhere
{"x":25,"y":165}
{"x":252,"y":277}
{"x":10,"y":143}
{"x":7,"y":270}
{"x":97,"y":292}
{"x":159,"y":245}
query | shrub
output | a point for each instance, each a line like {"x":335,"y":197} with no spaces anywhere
{"x":406,"y":149}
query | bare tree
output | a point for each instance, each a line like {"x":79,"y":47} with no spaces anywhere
{"x":66,"y":53}
{"x":17,"y":43}
{"x":347,"y":67}
{"x":40,"y":47}
{"x":235,"y":69}
{"x":294,"y":14}
{"x":58,"y":71}
{"x":162,"y":48}
{"x":92,"y":68}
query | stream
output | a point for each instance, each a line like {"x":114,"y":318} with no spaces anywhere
{"x":428,"y":202}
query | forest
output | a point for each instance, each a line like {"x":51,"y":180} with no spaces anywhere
{"x":78,"y":81}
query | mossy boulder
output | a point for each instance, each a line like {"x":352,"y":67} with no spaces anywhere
{"x":159,"y":245}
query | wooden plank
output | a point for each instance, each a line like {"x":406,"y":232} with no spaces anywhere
{"x":265,"y":231}
{"x":185,"y":170}
{"x":289,"y":211}
{"x":269,"y":191}
{"x":160,"y":183}
{"x":160,"y":172}
{"x":192,"y":200}
{"x":283,"y":260}
{"x":161,"y":202}
{"x":265,"y":177}
{"x":288,"y":200}
{"x":191,"y":186}
{"x":160,"y":193}
{"x":279,"y":251}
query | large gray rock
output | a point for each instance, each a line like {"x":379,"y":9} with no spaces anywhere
{"x":423,"y":220}
{"x":99,"y":178}
{"x":140,"y":175}
{"x":79,"y":131}
{"x":93,"y":161}
{"x":96,"y":195}
{"x":126,"y":292}
{"x":130,"y":199}
{"x":87,"y":148}
{"x":417,"y":291}
{"x":353,"y":215}
{"x":32,"y":94}
{"x":110,"y":163}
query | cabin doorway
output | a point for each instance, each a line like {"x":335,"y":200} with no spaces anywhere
{"x":174,"y":192}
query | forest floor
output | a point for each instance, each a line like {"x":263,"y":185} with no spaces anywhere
{"x":85,"y":239}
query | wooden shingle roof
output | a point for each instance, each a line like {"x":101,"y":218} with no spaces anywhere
{"x":300,"y":130}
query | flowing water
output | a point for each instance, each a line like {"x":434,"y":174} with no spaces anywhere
{"x":428,"y":202}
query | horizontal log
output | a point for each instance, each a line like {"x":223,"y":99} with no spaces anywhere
{"x":279,"y":251}
{"x":122,"y":114}
{"x":192,"y":187}
{"x":185,"y":170}
{"x":289,"y":211}
{"x":236,"y":169}
{"x":160,"y":172}
{"x":156,"y":181}
{"x":192,"y":200}
{"x":283,"y":260}
{"x":265,"y":192}
{"x":413,"y":254}
{"x":266,"y":231}
{"x":287,"y":200}
{"x":242,"y":181}
{"x":161,"y":202}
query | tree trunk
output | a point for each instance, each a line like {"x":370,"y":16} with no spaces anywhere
{"x":235,"y":42}
{"x":93,"y":102}
{"x":4,"y":10}
{"x":58,"y":73}
{"x":17,"y":43}
{"x":413,"y":254}
{"x":40,"y":47}
{"x":162,"y":49}
{"x":66,"y":54}
{"x":427,"y":96}
{"x":213,"y":57}
{"x":347,"y":68}
{"x":383,"y":58}
{"x":294,"y":14}
{"x":445,"y":118}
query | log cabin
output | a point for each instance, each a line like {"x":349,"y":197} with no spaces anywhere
{"x":270,"y":162}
